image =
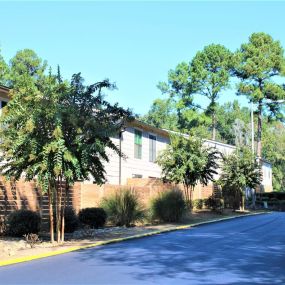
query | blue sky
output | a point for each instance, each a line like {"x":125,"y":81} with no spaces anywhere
{"x":132,"y":43}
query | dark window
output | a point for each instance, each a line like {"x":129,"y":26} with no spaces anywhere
{"x":138,"y":144}
{"x":152,"y":148}
{"x":137,"y":176}
{"x":3,"y":104}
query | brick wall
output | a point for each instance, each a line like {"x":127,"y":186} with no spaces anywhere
{"x":27,"y":195}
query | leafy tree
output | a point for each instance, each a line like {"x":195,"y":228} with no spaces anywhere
{"x":239,"y":170}
{"x":210,"y":74}
{"x":4,"y":71}
{"x":26,"y":69}
{"x":233,"y":123}
{"x":58,"y":132}
{"x":188,"y":162}
{"x":177,"y":88}
{"x":207,"y":75}
{"x":273,"y":139}
{"x":162,"y":114}
{"x":258,"y":62}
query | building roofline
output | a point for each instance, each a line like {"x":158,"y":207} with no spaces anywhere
{"x":166,"y":132}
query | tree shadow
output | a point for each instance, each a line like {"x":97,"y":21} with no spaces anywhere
{"x":205,"y":255}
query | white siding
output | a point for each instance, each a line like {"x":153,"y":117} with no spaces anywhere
{"x":130,"y":165}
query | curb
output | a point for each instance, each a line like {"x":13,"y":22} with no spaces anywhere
{"x":100,"y":243}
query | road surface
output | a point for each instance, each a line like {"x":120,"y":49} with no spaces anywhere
{"x":248,"y":250}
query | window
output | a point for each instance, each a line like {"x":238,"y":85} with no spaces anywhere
{"x":137,"y":176}
{"x":138,"y":144}
{"x":152,"y":148}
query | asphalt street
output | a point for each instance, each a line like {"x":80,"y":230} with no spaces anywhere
{"x":248,"y":250}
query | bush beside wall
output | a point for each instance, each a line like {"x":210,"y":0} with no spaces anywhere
{"x":93,"y":217}
{"x":22,"y":222}
{"x":169,"y":206}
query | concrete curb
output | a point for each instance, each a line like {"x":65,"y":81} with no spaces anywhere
{"x":100,"y":243}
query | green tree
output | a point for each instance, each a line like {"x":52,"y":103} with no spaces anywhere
{"x":189,"y":119}
{"x":58,"y":132}
{"x":273,"y":140}
{"x":209,"y":75}
{"x":4,"y":71}
{"x":188,"y":162}
{"x":239,"y":170}
{"x":229,"y":116}
{"x":258,"y":62}
{"x":162,"y":114}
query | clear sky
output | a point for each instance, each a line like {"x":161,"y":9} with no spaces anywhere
{"x":132,"y":43}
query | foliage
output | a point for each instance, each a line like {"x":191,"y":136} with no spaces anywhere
{"x":188,"y":162}
{"x":169,"y":206}
{"x":258,"y":62}
{"x":162,"y":114}
{"x":123,"y":208}
{"x":259,"y":65}
{"x":209,"y":75}
{"x":274,"y":195}
{"x":273,"y":139}
{"x":215,"y":204}
{"x":93,"y":217}
{"x":198,"y":204}
{"x":4,"y":71}
{"x":32,"y":239}
{"x":233,"y":124}
{"x":55,"y":130}
{"x":70,"y":220}
{"x":21,"y":222}
{"x":239,"y":170}
{"x":177,"y":88}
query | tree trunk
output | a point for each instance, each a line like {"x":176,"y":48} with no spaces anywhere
{"x":259,"y":137}
{"x":186,"y":194}
{"x":191,"y":191}
{"x":51,"y":221}
{"x":259,"y":131}
{"x":213,"y":126}
{"x":63,"y":212}
{"x":58,"y":212}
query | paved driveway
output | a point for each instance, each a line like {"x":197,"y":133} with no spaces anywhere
{"x":249,"y":250}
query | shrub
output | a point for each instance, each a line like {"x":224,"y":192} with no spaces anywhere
{"x":169,"y":206}
{"x":123,"y":208}
{"x":198,"y":204}
{"x":215,"y":204}
{"x":276,"y":195}
{"x":70,"y":220}
{"x":22,"y":222}
{"x":93,"y":217}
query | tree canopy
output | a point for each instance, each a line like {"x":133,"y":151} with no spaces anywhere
{"x":258,"y":62}
{"x":56,"y":131}
{"x":187,"y":161}
{"x":239,"y":170}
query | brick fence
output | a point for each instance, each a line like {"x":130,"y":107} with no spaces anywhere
{"x":27,"y":195}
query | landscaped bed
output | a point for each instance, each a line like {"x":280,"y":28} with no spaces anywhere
{"x":11,"y":248}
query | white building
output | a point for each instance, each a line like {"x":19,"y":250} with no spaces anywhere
{"x":141,"y":143}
